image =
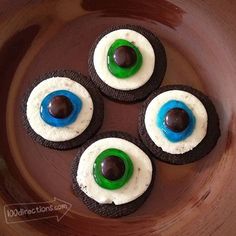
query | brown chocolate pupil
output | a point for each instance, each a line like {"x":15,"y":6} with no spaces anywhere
{"x":113,"y":168}
{"x":177,"y":119}
{"x":125,"y":56}
{"x":60,"y":107}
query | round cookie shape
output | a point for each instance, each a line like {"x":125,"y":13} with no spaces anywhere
{"x":120,"y":201}
{"x":149,"y":73}
{"x":199,"y":128}
{"x":62,"y":109}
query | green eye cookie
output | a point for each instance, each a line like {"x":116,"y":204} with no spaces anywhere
{"x":127,"y":63}
{"x":112,"y":174}
{"x":124,"y":59}
{"x":112,"y":169}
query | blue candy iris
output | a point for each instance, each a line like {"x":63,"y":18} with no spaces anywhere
{"x":58,"y":122}
{"x":169,"y":134}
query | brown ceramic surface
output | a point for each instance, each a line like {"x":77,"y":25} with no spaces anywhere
{"x":199,"y":37}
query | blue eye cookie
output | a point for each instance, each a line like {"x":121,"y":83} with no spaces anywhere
{"x":60,"y":122}
{"x":62,"y":109}
{"x":169,"y":133}
{"x":179,"y":124}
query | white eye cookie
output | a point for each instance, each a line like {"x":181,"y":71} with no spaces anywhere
{"x":58,"y":134}
{"x":143,"y":74}
{"x":134,"y":188}
{"x":156,"y":134}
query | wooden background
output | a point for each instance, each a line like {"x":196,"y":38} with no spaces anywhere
{"x":199,"y":37}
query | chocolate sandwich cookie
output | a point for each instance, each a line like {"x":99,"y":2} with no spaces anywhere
{"x":127,"y":63}
{"x":113,"y":174}
{"x":62,"y":109}
{"x":179,"y":124}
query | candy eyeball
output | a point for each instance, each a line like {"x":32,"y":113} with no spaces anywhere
{"x":127,"y":63}
{"x":61,"y":108}
{"x":113,"y":174}
{"x":179,"y":124}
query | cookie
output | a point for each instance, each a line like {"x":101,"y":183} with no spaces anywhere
{"x":127,"y":63}
{"x":112,"y":174}
{"x":62,"y":110}
{"x":179,"y":124}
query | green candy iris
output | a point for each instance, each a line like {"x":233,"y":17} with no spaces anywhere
{"x":118,"y":71}
{"x":112,"y":184}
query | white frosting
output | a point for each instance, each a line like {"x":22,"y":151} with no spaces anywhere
{"x":135,"y":187}
{"x":57,"y":134}
{"x":155,"y":132}
{"x":138,"y":79}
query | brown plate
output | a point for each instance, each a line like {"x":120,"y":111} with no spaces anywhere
{"x":199,"y":37}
